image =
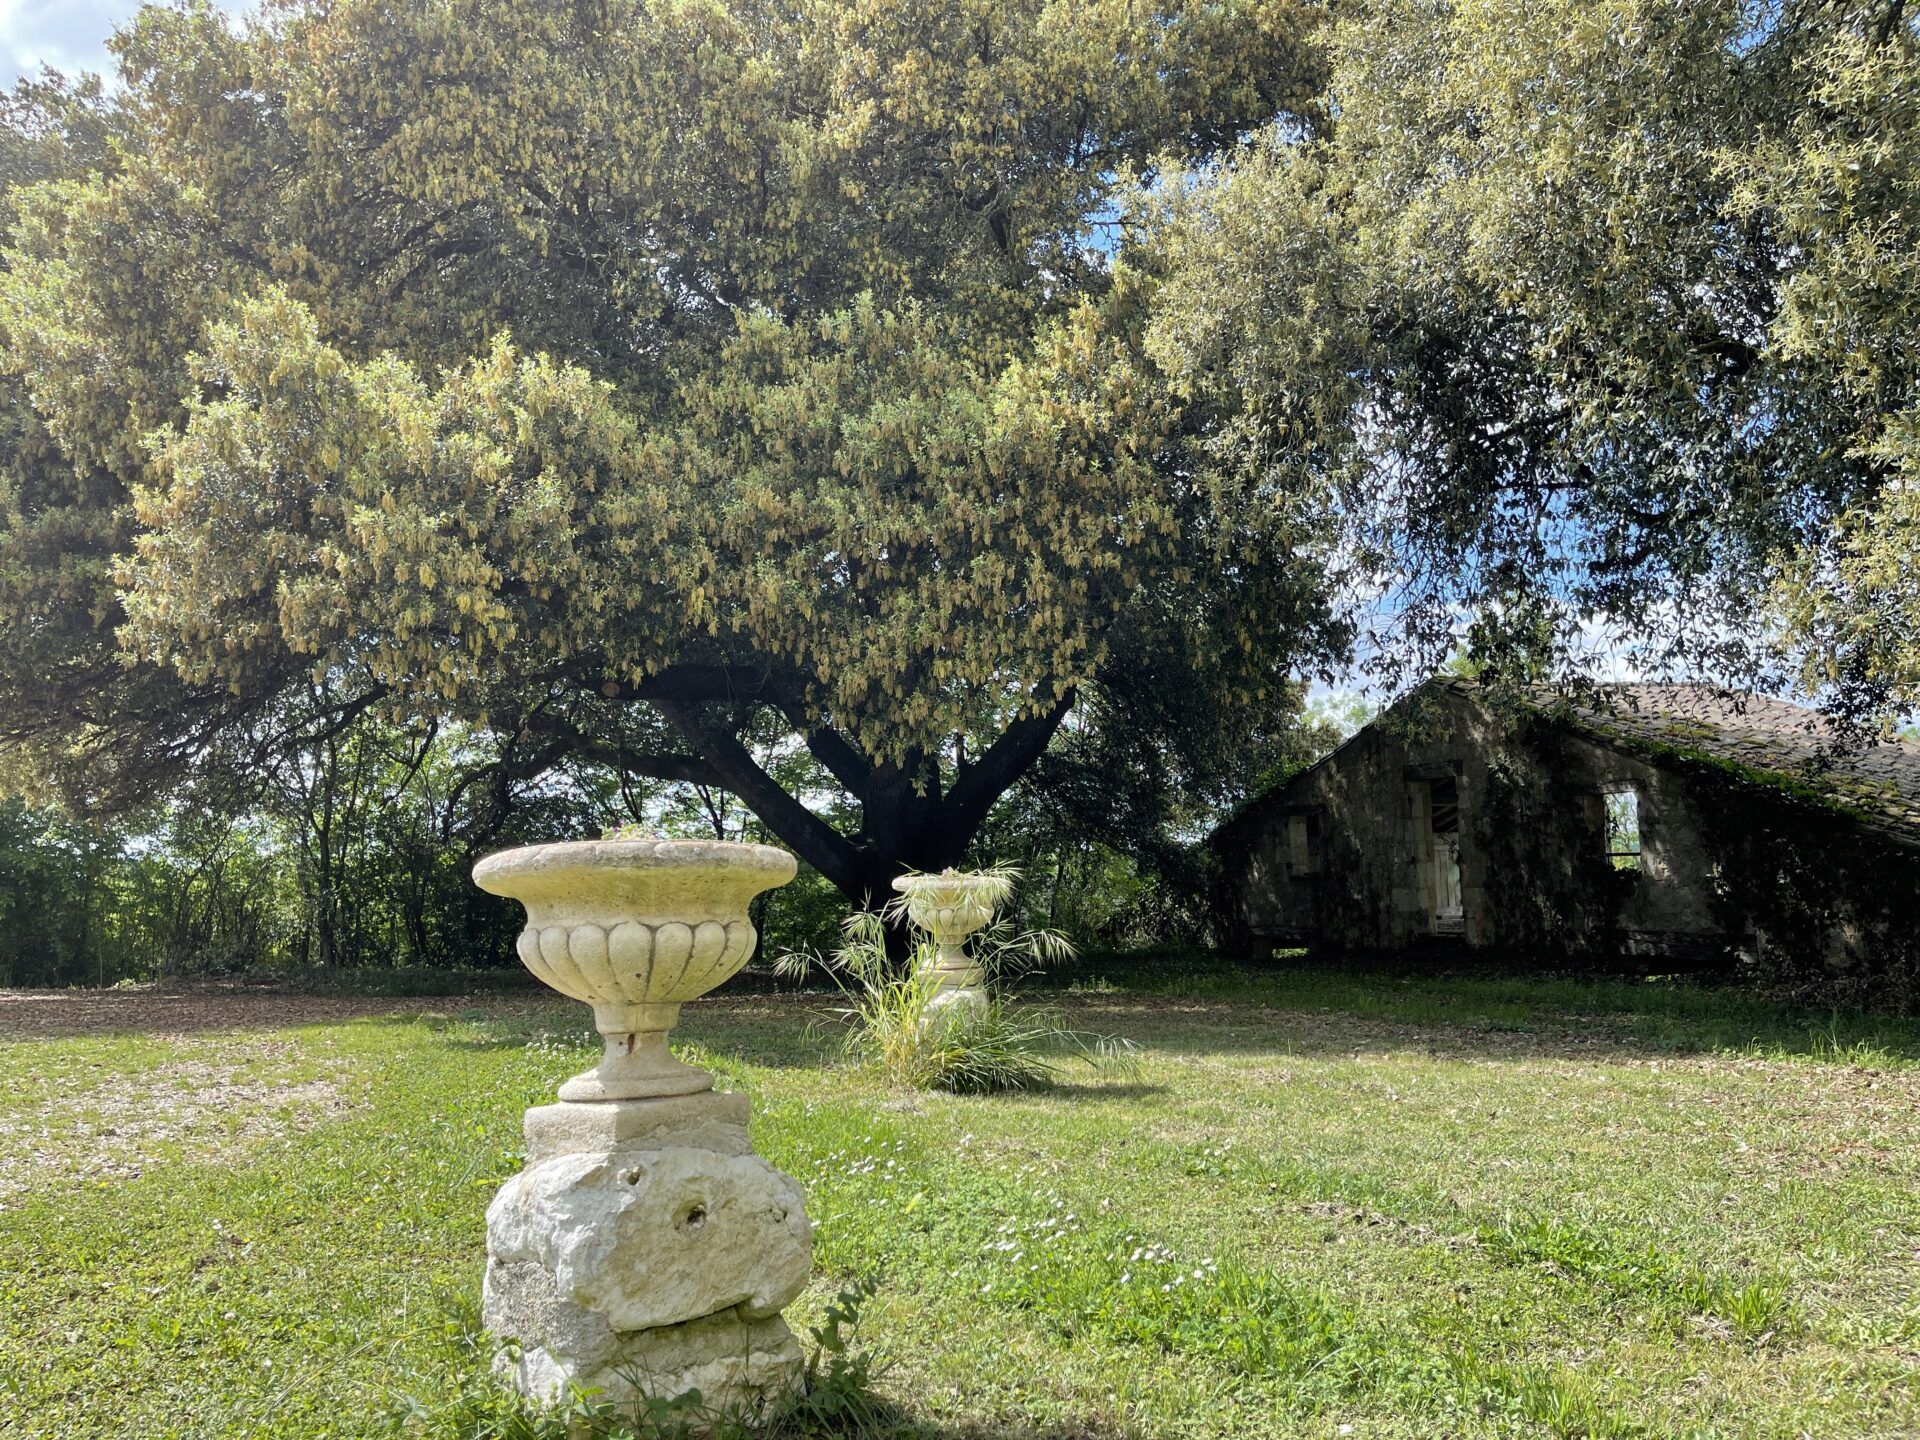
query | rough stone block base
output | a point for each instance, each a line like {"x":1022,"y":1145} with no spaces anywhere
{"x":646,"y":1252}
{"x":739,"y":1366}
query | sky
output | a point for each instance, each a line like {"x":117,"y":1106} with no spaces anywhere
{"x":69,"y":35}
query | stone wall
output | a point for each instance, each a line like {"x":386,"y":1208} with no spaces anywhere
{"x":1345,"y":856}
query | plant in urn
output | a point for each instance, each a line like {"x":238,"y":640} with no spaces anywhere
{"x":645,"y":1250}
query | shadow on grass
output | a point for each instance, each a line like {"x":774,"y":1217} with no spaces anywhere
{"x":79,"y":1014}
{"x":1185,"y":1007}
{"x":889,"y":1422}
{"x":881,"y":1420}
{"x":1320,"y":1009}
{"x":1087,"y":1090}
{"x":1199,"y":1027}
{"x":841,"y":1397}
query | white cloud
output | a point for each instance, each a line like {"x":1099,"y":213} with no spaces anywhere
{"x":69,"y":35}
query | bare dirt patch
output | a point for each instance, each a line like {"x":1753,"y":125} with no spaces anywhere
{"x":191,"y":1009}
{"x":217,"y":1107}
{"x":227,"y":1094}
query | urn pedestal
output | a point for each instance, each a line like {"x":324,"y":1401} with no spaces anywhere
{"x":645,"y":1251}
{"x":950,"y":906}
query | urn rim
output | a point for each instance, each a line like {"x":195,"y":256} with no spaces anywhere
{"x":921,"y":883}
{"x":768,"y":865}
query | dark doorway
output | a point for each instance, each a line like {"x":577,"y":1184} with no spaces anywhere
{"x":1448,"y":912}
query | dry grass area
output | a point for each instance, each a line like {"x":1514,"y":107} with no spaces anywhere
{"x":210,"y":1109}
{"x":190,"y":1008}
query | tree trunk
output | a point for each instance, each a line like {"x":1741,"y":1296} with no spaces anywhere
{"x":913,"y":816}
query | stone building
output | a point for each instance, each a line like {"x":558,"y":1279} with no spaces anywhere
{"x":1674,"y":823}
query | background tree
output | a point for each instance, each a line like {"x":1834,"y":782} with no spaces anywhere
{"x":824,"y":401}
{"x":348,"y":850}
{"x":1602,"y":315}
{"x":1109,"y":826}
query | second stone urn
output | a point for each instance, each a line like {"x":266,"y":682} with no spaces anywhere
{"x":950,"y":906}
{"x":645,"y":1251}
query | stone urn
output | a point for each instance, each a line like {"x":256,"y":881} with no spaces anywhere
{"x":951,"y":906}
{"x":645,"y":1252}
{"x":635,"y":928}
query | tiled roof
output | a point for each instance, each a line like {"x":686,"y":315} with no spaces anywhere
{"x":1878,"y":778}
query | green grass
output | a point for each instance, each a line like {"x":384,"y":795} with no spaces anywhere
{"x":1323,"y":1205}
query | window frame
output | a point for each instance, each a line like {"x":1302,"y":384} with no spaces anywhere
{"x":1303,"y":857}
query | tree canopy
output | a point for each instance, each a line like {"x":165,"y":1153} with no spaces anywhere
{"x":1601,"y":315}
{"x":617,"y":374}
{"x":628,"y":378}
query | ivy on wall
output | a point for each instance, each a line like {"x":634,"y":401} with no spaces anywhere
{"x":1548,"y":890}
{"x":1827,"y":902}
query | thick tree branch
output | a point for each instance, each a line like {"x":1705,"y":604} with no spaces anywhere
{"x":337,"y":718}
{"x":841,"y":760}
{"x":688,"y":769}
{"x":832,"y":750}
{"x":812,"y":838}
{"x":1890,"y":22}
{"x":979,"y":784}
{"x":691,"y":769}
{"x":695,"y":684}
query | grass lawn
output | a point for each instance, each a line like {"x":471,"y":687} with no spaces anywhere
{"x":1324,"y":1206}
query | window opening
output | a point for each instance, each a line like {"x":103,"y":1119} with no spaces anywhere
{"x":1623,"y":827}
{"x":1449,"y":909}
{"x":1299,"y":849}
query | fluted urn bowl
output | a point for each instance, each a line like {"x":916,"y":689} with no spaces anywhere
{"x":950,"y":906}
{"x":635,"y":928}
{"x":954,"y":902}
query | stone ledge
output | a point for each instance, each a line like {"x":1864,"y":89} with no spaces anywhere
{"x":709,"y":1120}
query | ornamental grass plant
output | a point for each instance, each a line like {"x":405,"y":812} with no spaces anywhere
{"x":896,"y":1026}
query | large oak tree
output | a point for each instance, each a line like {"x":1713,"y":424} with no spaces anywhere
{"x":622,"y":373}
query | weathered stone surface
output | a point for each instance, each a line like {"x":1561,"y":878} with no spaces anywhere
{"x":739,"y":1366}
{"x":706,"y":1121}
{"x":645,"y":1251}
{"x":1792,"y":872}
{"x":645,"y":1238}
{"x":950,"y":906}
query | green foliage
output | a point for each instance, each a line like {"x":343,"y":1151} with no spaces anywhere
{"x":1641,"y":1269}
{"x":351,"y":852}
{"x":965,"y":1050}
{"x":717,"y":365}
{"x":1601,"y":314}
{"x":1826,"y":903}
{"x":76,"y":907}
{"x":806,"y":914}
{"x":1104,"y":828}
{"x":1337,"y":1155}
{"x":837,"y":1392}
